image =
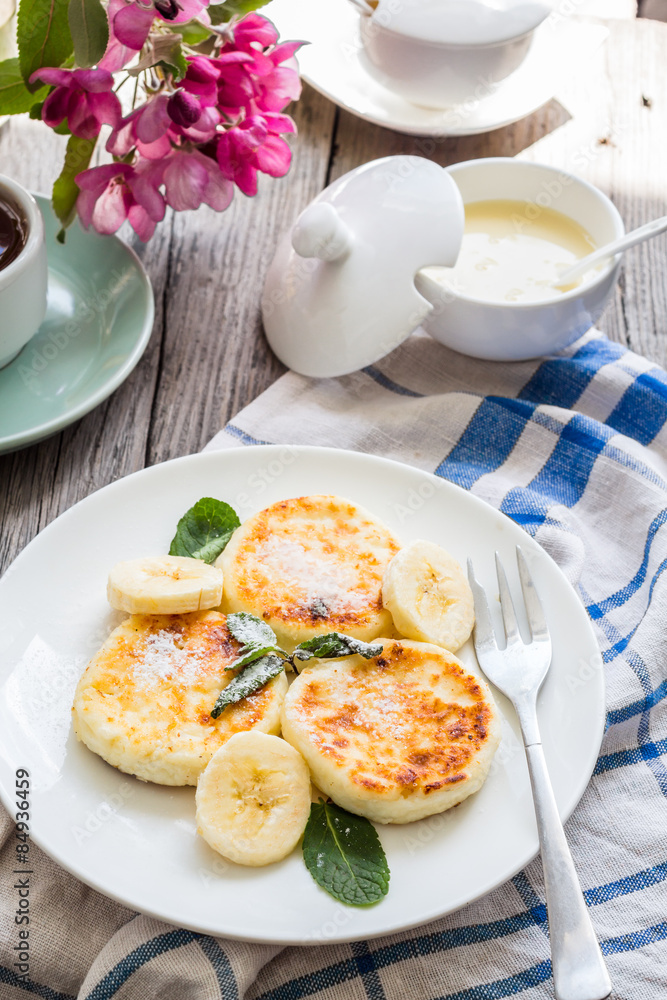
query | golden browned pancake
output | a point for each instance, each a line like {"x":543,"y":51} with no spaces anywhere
{"x":310,"y":565}
{"x":396,"y":738}
{"x":144,"y":701}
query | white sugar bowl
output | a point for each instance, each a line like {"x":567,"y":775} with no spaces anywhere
{"x":515,"y":330}
{"x":440,"y":53}
{"x":371,"y":259}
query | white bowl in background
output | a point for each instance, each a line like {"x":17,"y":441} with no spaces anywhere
{"x":440,"y":53}
{"x":514,"y":331}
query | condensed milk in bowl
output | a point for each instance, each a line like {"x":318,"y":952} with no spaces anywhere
{"x":525,"y":224}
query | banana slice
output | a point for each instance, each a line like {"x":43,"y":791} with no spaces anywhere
{"x":253,"y":799}
{"x":428,"y":596}
{"x":164,"y":585}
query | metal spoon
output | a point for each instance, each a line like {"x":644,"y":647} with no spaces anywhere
{"x":610,"y":250}
{"x":361,"y":5}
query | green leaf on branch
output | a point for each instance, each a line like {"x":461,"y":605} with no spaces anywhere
{"x":65,"y":189}
{"x":220,"y":13}
{"x":204,"y":530}
{"x":168,"y":53}
{"x":251,"y":679}
{"x":15,"y":98}
{"x":43,"y":35}
{"x":344,"y":855}
{"x":191,"y":32}
{"x":89,"y":27}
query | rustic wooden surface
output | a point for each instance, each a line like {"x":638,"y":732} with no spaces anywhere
{"x":207,"y":357}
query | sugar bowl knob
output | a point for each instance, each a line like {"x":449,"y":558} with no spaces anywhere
{"x":320,"y":232}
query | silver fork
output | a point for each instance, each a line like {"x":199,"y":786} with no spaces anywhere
{"x":518,"y":671}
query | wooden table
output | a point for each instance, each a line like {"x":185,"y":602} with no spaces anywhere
{"x":208,"y":358}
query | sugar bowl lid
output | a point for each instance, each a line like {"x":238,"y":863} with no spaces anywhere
{"x":340,"y":291}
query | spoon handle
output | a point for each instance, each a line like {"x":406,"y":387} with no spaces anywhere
{"x":361,"y":5}
{"x":611,"y":249}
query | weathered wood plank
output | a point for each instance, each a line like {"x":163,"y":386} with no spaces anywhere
{"x":215,"y":357}
{"x":617,"y":139}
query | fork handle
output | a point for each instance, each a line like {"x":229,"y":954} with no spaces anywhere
{"x":578,"y":967}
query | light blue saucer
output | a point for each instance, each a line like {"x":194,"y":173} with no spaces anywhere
{"x":98,"y":322}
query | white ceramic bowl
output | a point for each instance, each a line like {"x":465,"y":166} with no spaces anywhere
{"x":23,"y":283}
{"x":442,"y":54}
{"x":503,"y":331}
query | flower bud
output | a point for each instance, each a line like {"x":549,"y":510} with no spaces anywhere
{"x":168,"y":9}
{"x":184,"y":109}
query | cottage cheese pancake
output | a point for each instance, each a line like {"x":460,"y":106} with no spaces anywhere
{"x":143,"y":702}
{"x":396,"y":738}
{"x":310,"y":565}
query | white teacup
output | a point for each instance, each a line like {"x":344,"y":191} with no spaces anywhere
{"x":23,"y":282}
{"x":440,"y":53}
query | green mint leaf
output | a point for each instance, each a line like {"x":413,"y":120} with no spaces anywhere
{"x":65,"y":190}
{"x":334,"y":644}
{"x":344,"y":855}
{"x":251,"y":631}
{"x":43,"y":36}
{"x":250,"y":655}
{"x":204,"y":530}
{"x":251,"y":679}
{"x":89,"y":27}
{"x":256,"y":637}
{"x":15,"y":98}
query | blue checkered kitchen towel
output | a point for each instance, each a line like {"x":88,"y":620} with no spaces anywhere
{"x":574,"y":448}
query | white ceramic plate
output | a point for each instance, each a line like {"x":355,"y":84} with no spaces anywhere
{"x":332,"y":63}
{"x":136,"y":842}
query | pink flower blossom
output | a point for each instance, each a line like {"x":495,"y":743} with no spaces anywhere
{"x":118,"y":191}
{"x":253,"y":31}
{"x":255,"y":73}
{"x":117,"y":55}
{"x":191,"y":178}
{"x":277,"y":84}
{"x":82,"y":96}
{"x":255,"y":145}
{"x":146,"y":128}
{"x":132,"y":22}
{"x":201,"y":79}
{"x":236,"y":89}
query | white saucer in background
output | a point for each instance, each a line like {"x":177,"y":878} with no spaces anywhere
{"x":333,"y":65}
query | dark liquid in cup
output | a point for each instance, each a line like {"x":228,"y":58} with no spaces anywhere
{"x":13,"y":230}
